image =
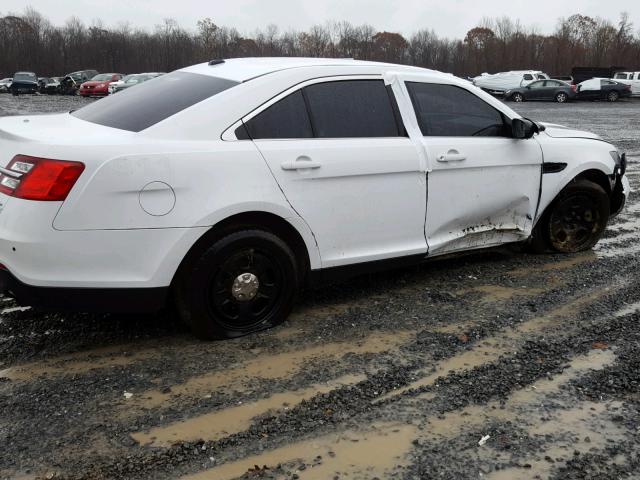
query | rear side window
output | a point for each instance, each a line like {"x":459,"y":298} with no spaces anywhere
{"x":528,"y":76}
{"x":142,"y":106}
{"x":286,"y":118}
{"x":450,"y":111}
{"x":351,"y":108}
{"x":621,"y":76}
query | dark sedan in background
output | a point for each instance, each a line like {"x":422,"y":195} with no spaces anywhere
{"x":543,"y":90}
{"x":24,"y":82}
{"x":603,"y":89}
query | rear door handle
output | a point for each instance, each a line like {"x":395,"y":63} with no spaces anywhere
{"x":452,"y":155}
{"x":300,"y":163}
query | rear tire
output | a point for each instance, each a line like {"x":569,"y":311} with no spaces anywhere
{"x":245,"y":282}
{"x":562,"y":97}
{"x":574,"y":222}
{"x":613,"y":96}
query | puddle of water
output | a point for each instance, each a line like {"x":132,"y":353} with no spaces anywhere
{"x":564,"y":264}
{"x":497,"y":293}
{"x":624,"y":311}
{"x":222,"y":423}
{"x":79,"y":363}
{"x":370,"y":454}
{"x":268,"y":367}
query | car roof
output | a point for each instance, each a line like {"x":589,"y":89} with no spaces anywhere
{"x":243,"y":69}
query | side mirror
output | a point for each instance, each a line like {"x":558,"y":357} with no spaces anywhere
{"x":523,"y":128}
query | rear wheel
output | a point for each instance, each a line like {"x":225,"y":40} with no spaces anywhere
{"x":613,"y":96}
{"x":245,"y":282}
{"x":561,"y":97}
{"x":575,"y":221}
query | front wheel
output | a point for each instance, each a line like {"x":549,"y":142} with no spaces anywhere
{"x":517,"y":97}
{"x":244,"y":283}
{"x":575,"y":221}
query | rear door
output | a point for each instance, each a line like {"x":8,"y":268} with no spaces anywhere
{"x":344,"y":162}
{"x":483,"y":185}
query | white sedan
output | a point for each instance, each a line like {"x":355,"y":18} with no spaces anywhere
{"x":228,"y":187}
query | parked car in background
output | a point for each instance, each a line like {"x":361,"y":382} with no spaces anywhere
{"x":114,"y":85}
{"x":24,"y":82}
{"x":563,"y":78}
{"x":98,"y":86}
{"x":71,"y":82}
{"x":229,"y":186}
{"x":135,"y":79}
{"x":499,"y":83}
{"x":603,"y":89}
{"x":629,"y":78}
{"x":48,"y":85}
{"x":52,"y":87}
{"x":544,"y":90}
{"x":5,"y":83}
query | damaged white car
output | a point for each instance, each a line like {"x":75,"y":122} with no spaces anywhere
{"x":227,"y":187}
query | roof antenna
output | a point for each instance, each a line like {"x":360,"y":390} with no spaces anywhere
{"x":216,"y":61}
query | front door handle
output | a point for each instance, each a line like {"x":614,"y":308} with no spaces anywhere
{"x":300,"y":163}
{"x":452,"y":155}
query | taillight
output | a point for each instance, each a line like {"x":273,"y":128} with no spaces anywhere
{"x":32,"y":178}
{"x":574,"y":87}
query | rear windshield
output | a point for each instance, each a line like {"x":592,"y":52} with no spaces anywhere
{"x":136,"y":109}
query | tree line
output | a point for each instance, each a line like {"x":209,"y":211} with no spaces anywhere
{"x":29,"y":41}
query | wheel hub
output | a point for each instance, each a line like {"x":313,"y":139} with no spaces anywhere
{"x":245,"y":287}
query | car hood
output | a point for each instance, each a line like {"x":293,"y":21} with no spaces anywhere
{"x":560,"y":131}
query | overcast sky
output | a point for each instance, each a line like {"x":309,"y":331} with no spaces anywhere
{"x":449,"y":18}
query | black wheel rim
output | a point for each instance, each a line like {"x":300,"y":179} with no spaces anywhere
{"x":575,"y":223}
{"x":245,"y":314}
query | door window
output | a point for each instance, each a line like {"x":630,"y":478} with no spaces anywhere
{"x":538,"y":84}
{"x":351,"y":108}
{"x":450,"y":111}
{"x":528,"y":76}
{"x":338,"y":109}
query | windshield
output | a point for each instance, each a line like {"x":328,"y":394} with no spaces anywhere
{"x":136,"y":109}
{"x":25,"y":76}
{"x":103,"y":77}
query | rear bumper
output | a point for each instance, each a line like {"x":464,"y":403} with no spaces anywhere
{"x":114,"y":300}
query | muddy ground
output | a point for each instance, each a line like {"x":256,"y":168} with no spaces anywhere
{"x":496,"y":365}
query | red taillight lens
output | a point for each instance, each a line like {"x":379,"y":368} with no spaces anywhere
{"x":574,"y":87}
{"x":43,"y":179}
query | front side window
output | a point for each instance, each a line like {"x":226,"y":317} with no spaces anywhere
{"x":621,"y":76}
{"x":538,"y":84}
{"x":450,"y":111}
{"x":136,"y":109}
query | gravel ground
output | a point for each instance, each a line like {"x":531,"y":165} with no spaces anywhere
{"x":495,"y":364}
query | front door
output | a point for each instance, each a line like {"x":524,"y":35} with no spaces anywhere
{"x":342,"y":158}
{"x":483,"y":185}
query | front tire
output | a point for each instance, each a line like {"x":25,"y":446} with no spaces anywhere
{"x":517,"y":97}
{"x":245,"y":282}
{"x":575,"y":221}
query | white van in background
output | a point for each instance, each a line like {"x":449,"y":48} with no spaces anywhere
{"x":629,"y":78}
{"x":499,"y":83}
